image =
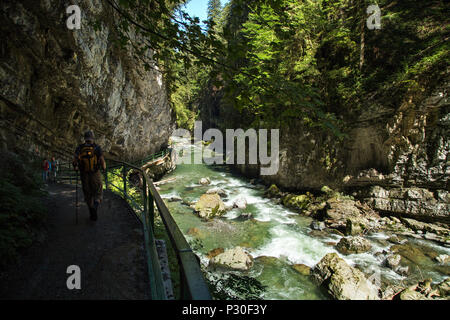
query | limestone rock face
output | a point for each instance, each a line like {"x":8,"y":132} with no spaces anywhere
{"x":342,"y":281}
{"x":56,"y":83}
{"x":418,"y":203}
{"x":387,"y":146}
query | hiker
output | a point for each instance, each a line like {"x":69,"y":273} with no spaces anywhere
{"x":45,"y":168}
{"x":89,"y":160}
{"x":53,"y":169}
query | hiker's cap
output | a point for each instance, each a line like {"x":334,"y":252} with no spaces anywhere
{"x":89,"y":135}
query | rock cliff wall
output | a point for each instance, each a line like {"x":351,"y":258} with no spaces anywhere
{"x":395,"y":158}
{"x":56,"y":83}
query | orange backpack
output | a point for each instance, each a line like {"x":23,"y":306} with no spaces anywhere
{"x":87,"y":158}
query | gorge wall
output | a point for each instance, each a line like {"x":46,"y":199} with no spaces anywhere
{"x":56,"y":83}
{"x":394,"y":158}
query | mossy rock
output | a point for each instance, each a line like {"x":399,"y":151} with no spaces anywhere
{"x":272,"y":192}
{"x":296,"y":201}
{"x":327,"y":190}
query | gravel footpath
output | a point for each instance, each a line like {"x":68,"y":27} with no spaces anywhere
{"x":109,"y":253}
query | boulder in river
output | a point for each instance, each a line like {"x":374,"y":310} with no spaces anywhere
{"x":420,"y":291}
{"x":209,"y":206}
{"x":298,"y":202}
{"x":444,"y":288}
{"x":240,"y":203}
{"x":342,"y":281}
{"x":175,"y":199}
{"x":234,"y":259}
{"x":392,"y":261}
{"x":403,"y":271}
{"x":443,"y":258}
{"x":205,"y":181}
{"x":413,"y":254}
{"x":350,"y":245}
{"x":217,"y":190}
{"x":355,"y":226}
{"x":396,"y":239}
{"x":317,"y":225}
{"x":215,"y":252}
{"x":341,"y":209}
{"x":272,"y":192}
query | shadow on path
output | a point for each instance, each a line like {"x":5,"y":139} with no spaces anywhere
{"x":109,"y":253}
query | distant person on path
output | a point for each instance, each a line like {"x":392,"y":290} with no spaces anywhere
{"x":88,"y":160}
{"x":45,"y":168}
{"x":53,"y":169}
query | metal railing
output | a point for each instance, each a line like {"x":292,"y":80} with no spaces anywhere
{"x":155,"y":156}
{"x":192,"y":282}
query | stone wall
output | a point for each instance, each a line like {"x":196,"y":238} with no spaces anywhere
{"x":56,"y":83}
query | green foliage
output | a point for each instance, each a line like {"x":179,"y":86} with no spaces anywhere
{"x":316,"y":61}
{"x":214,"y":10}
{"x":280,"y":62}
{"x":22,"y":212}
{"x":184,"y":93}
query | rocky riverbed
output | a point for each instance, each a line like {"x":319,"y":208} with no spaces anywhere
{"x":260,"y":242}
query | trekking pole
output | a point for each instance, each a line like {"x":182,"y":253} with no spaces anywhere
{"x":76,"y":197}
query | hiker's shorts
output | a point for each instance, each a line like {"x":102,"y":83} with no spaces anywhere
{"x":92,"y":187}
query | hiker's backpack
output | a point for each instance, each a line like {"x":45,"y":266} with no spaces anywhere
{"x":87,"y":158}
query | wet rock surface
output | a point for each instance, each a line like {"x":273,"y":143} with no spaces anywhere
{"x":234,"y":259}
{"x":351,"y":245}
{"x":342,"y":281}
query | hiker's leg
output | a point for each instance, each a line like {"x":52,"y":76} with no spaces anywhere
{"x":93,"y":185}
{"x":85,"y":182}
{"x":97,"y":187}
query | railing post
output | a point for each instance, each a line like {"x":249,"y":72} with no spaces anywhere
{"x":151,"y":210}
{"x":69,"y":172}
{"x":106,"y":178}
{"x":124,"y":173}
{"x":144,"y":187}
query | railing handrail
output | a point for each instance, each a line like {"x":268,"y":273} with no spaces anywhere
{"x":193,"y":285}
